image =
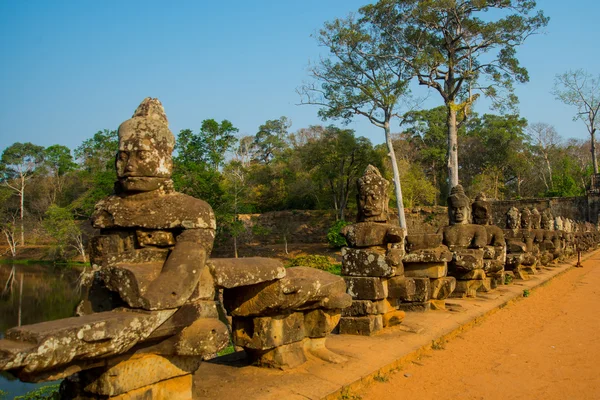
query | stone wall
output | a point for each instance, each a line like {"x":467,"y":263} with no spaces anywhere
{"x":575,"y":208}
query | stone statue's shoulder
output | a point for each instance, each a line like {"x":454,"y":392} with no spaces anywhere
{"x":166,"y":211}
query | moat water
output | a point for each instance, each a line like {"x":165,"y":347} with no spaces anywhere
{"x":49,"y":293}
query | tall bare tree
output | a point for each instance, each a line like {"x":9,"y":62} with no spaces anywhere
{"x":459,"y":48}
{"x":581,"y":90}
{"x":544,"y":140}
{"x":359,"y":78}
{"x":19,"y":162}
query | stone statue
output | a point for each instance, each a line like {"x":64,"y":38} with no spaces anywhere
{"x":467,"y":242}
{"x":513,"y":219}
{"x":494,"y":256}
{"x":373,"y":257}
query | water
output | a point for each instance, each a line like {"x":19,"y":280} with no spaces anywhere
{"x":49,"y":293}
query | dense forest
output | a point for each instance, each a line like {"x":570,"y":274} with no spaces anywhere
{"x":45,"y":191}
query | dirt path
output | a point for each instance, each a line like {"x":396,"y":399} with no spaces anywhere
{"x":544,"y":347}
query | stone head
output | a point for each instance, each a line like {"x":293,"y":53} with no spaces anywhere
{"x":547,"y":220}
{"x":525,"y":218}
{"x":558,"y":223}
{"x":372,"y":196}
{"x":513,"y":218}
{"x":482,"y":210}
{"x":144,"y":161}
{"x":459,"y":206}
{"x":536,"y":219}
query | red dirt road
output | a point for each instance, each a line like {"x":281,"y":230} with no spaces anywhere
{"x":546,"y":346}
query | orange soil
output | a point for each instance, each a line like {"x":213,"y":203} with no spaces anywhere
{"x":544,"y":347}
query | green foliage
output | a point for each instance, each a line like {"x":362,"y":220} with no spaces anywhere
{"x":98,"y":153}
{"x":261,"y":230}
{"x":59,"y":160}
{"x":270,"y":140}
{"x":60,"y":224}
{"x":49,"y":392}
{"x":381,"y":378}
{"x":508,"y":279}
{"x":312,"y":261}
{"x":526,"y":293}
{"x":227,"y":350}
{"x":334,"y":236}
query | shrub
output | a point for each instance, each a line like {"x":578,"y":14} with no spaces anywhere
{"x":315,"y":261}
{"x":334,"y":236}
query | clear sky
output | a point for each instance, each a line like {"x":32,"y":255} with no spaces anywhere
{"x":71,"y":68}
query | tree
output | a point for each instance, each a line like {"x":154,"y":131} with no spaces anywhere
{"x":19,"y":162}
{"x":96,"y":157}
{"x":59,"y":161}
{"x":456,"y":49}
{"x":544,"y":141}
{"x":336,"y":161}
{"x":359,"y":78}
{"x":215,"y":140}
{"x":61,"y":225}
{"x":270,"y":139}
{"x":582,"y":91}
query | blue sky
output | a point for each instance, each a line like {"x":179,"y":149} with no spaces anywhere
{"x":71,"y":68}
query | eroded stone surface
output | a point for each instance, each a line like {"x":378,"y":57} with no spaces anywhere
{"x":234,"y":272}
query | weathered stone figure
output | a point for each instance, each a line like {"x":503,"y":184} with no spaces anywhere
{"x":494,"y":257}
{"x":466,"y":241}
{"x":151,"y":288}
{"x":153,"y":241}
{"x":373,"y":257}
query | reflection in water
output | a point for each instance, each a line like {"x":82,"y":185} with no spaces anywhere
{"x":49,"y":293}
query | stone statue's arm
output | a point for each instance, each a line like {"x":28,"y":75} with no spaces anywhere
{"x":181,"y":271}
{"x":479,"y":238}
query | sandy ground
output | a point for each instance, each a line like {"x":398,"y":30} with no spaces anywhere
{"x":544,"y":347}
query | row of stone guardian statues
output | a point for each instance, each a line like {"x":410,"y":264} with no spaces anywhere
{"x":157,"y":305}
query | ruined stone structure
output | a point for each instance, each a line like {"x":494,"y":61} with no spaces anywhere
{"x":372,"y":263}
{"x":467,"y":242}
{"x":150,"y":315}
{"x":382,"y":278}
{"x":494,"y":255}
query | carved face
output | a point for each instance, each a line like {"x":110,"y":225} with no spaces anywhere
{"x":139,"y":160}
{"x":459,"y":214}
{"x":513,"y":219}
{"x":371,"y":200}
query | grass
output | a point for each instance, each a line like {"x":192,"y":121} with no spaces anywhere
{"x":526,"y":293}
{"x":508,"y":279}
{"x":438,"y":344}
{"x":381,"y":378}
{"x":346,"y":395}
{"x":227,"y":350}
{"x":26,"y":261}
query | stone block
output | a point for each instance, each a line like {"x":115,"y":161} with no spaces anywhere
{"x":409,"y":289}
{"x":302,"y":288}
{"x":365,"y":326}
{"x":466,"y":288}
{"x":367,"y":234}
{"x":417,"y":306}
{"x":140,"y":370}
{"x":486,"y":285}
{"x":263,"y":333}
{"x":431,"y":270}
{"x":281,"y":357}
{"x":394,"y":258}
{"x":234,"y":272}
{"x":42,"y":346}
{"x":392,"y":318}
{"x":465,"y":260}
{"x":319,"y":323}
{"x":366,"y":262}
{"x":475,"y":274}
{"x":439,"y":305}
{"x":497,"y":279}
{"x":442,"y":288}
{"x":435,"y":254}
{"x":423,"y":241}
{"x":365,"y":288}
{"x":366,"y":307}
